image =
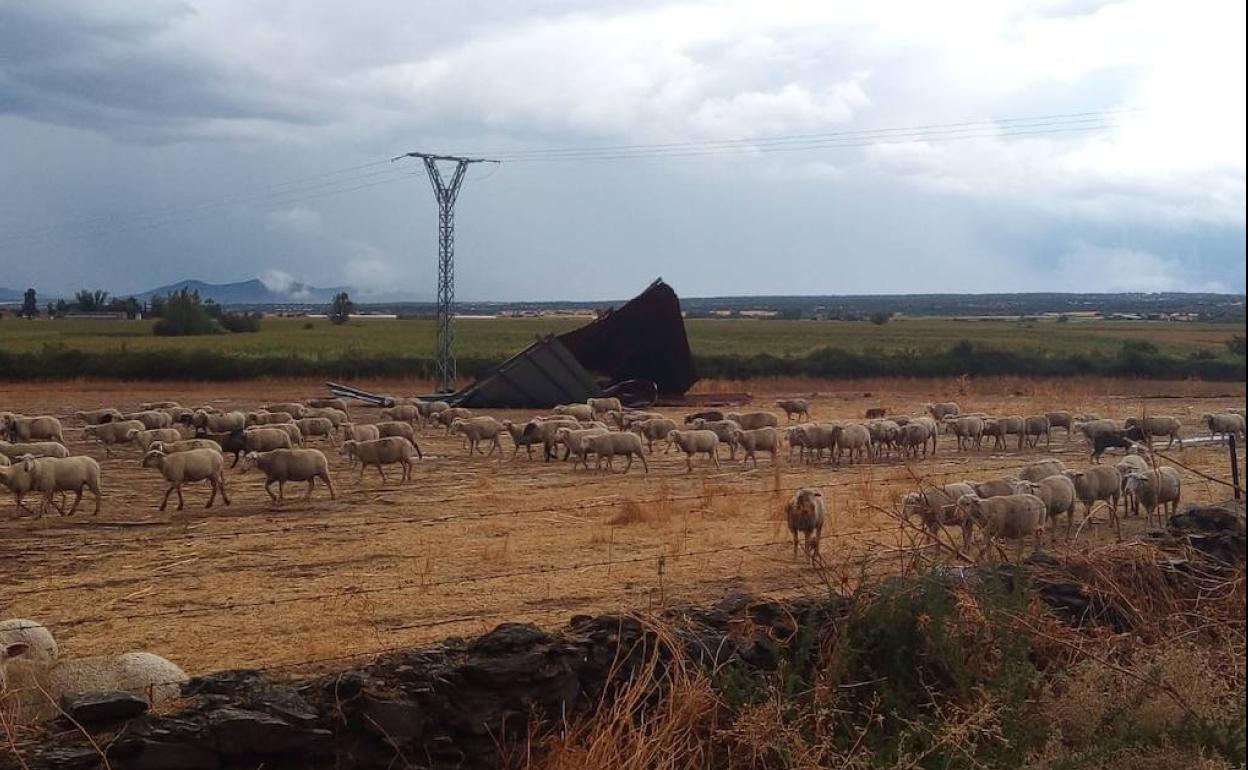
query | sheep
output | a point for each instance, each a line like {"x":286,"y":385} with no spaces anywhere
{"x":478,"y":429}
{"x":1228,"y":424}
{"x":98,"y":416}
{"x":693,"y":442}
{"x":933,"y":429}
{"x":625,"y":420}
{"x":291,"y":408}
{"x":876,"y":413}
{"x":50,"y":475}
{"x":1041,"y":469}
{"x":606,"y":446}
{"x":185,"y":445}
{"x":795,"y":437}
{"x":1095,"y":484}
{"x":450,"y":415}
{"x":602,"y":405}
{"x":519,"y":437}
{"x":855,"y":438}
{"x":15,"y":427}
{"x":655,"y":429}
{"x":111,"y":433}
{"x":756,"y":440}
{"x":1092,"y":428}
{"x":1006,"y":485}
{"x":885,"y":434}
{"x":1058,"y":494}
{"x":335,"y":416}
{"x":710,"y":415}
{"x":1157,"y":426}
{"x":1060,"y":419}
{"x":794,"y":408}
{"x":43,"y":646}
{"x":234,"y":442}
{"x":223,"y":422}
{"x":322,"y":403}
{"x":19,"y":482}
{"x":724,"y":430}
{"x":573,"y":441}
{"x":148,"y":406}
{"x":1013,"y":517}
{"x":1160,"y":487}
{"x":290,"y":429}
{"x":579,"y":411}
{"x":35,"y":687}
{"x":937,"y":507}
{"x":430,"y":408}
{"x":402,"y":413}
{"x":806,"y":513}
{"x":817,"y":437}
{"x":752,"y":420}
{"x":1001,"y":428}
{"x":263,"y":418}
{"x":36,"y":448}
{"x":187,"y":467}
{"x":151,"y":419}
{"x":544,"y":432}
{"x":282,"y":465}
{"x":383,"y":451}
{"x":317,"y":426}
{"x":1034,"y":427}
{"x":354,"y":431}
{"x":969,"y":430}
{"x":180,"y":415}
{"x":1103,"y":440}
{"x":912,"y":436}
{"x":143,"y":438}
{"x":939,"y":411}
{"x":264,"y":439}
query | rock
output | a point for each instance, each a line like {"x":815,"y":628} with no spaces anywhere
{"x":157,"y":755}
{"x":102,"y":707}
{"x":241,"y":732}
{"x":398,"y":721}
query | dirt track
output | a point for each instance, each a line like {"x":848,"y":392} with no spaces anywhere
{"x":470,"y":542}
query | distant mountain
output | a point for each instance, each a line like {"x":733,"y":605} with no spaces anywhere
{"x":253,"y":292}
{"x":10,"y":295}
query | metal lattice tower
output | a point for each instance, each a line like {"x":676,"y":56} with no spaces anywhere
{"x":445,"y":193}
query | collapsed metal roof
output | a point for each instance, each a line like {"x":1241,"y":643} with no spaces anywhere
{"x":644,"y":339}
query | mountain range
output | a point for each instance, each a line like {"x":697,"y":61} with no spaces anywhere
{"x":252,"y":292}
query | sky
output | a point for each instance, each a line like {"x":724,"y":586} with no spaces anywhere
{"x":967,"y":147}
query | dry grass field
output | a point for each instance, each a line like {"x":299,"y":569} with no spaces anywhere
{"x":472,"y":542}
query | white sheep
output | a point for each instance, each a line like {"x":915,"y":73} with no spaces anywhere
{"x":885,"y":435}
{"x":98,"y":416}
{"x":282,"y":465}
{"x":1060,"y":419}
{"x":693,"y":442}
{"x":36,"y":448}
{"x":1001,"y":428}
{"x":969,"y":431}
{"x":335,"y":416}
{"x":603,"y":405}
{"x":263,"y":418}
{"x":1058,"y":494}
{"x":937,"y":507}
{"x":111,"y":433}
{"x":818,"y":436}
{"x":428,"y":409}
{"x":1041,"y":469}
{"x":185,"y":445}
{"x":264,"y":439}
{"x":942,"y":410}
{"x":545,"y":432}
{"x":1034,"y":427}
{"x":186,"y":468}
{"x":794,"y":408}
{"x":806,"y":513}
{"x":752,"y":420}
{"x":1096,"y":484}
{"x":354,"y":431}
{"x":912,"y":437}
{"x":1012,"y":517}
{"x":606,"y":446}
{"x":43,"y":646}
{"x":292,"y":408}
{"x":408,"y":413}
{"x":220,"y":422}
{"x":1160,"y":487}
{"x":1131,"y":463}
{"x":795,"y":437}
{"x":579,"y":411}
{"x":35,"y":687}
{"x":50,"y":475}
{"x":143,"y":438}
{"x":319,"y":426}
{"x":335,"y":402}
{"x":724,"y":429}
{"x":478,"y":429}
{"x":451,"y":414}
{"x":16,"y":427}
{"x":855,"y":439}
{"x":19,"y":483}
{"x":290,"y":429}
{"x":1170,"y":427}
{"x":148,"y":406}
{"x":933,"y":429}
{"x":151,"y":419}
{"x":392,"y":450}
{"x":655,"y":429}
{"x":1008,"y":485}
{"x":757,"y":440}
{"x":573,"y":442}
{"x":1226,"y":424}
{"x":519,"y":438}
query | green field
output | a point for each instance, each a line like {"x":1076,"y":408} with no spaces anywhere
{"x":494,"y":338}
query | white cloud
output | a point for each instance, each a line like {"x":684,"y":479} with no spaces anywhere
{"x":298,"y":221}
{"x":1089,"y":267}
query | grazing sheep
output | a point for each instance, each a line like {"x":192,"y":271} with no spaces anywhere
{"x":806,"y":513}
{"x":185,"y":445}
{"x":1001,"y":487}
{"x":1041,"y":469}
{"x":180,"y":415}
{"x":794,"y":408}
{"x":752,"y":420}
{"x":15,"y":427}
{"x":1058,"y":494}
{"x":148,"y":406}
{"x":937,"y":507}
{"x":264,"y":439}
{"x":1060,"y":419}
{"x":111,"y":433}
{"x":36,"y":448}
{"x":710,"y":415}
{"x":1012,"y":517}
{"x":478,"y":429}
{"x":1160,"y":487}
{"x":188,"y":467}
{"x":1170,"y":427}
{"x":1092,"y":428}
{"x":724,"y":429}
{"x":323,"y":403}
{"x":655,"y":429}
{"x":143,"y":438}
{"x":940,"y":411}
{"x":969,"y":431}
{"x":1096,"y":484}
{"x":35,"y":687}
{"x":450,"y":415}
{"x":933,"y":429}
{"x":282,"y":465}
{"x":607,"y":445}
{"x":1104,"y":440}
{"x":263,"y":418}
{"x":544,"y":432}
{"x":290,"y":429}
{"x":885,"y":435}
{"x":320,"y":426}
{"x":1034,"y":427}
{"x":43,"y":647}
{"x":582,"y":412}
{"x":757,"y":440}
{"x":354,"y":431}
{"x":50,"y":475}
{"x":1219,"y":425}
{"x":693,"y":442}
{"x":402,"y":413}
{"x":603,"y":405}
{"x":221,"y":423}
{"x":383,"y":451}
{"x":151,"y":419}
{"x":855,"y":439}
{"x":98,"y":416}
{"x":291,"y":408}
{"x":573,"y":442}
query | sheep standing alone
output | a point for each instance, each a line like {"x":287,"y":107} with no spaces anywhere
{"x":391,"y":450}
{"x":50,"y":475}
{"x":1219,"y":425}
{"x":188,"y":467}
{"x":282,"y":465}
{"x":34,"y":687}
{"x":1012,"y":517}
{"x":806,"y":513}
{"x":1160,"y":487}
{"x":757,"y":440}
{"x":794,"y":408}
{"x":693,"y":442}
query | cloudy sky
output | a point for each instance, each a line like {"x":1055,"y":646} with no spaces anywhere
{"x":146,"y":142}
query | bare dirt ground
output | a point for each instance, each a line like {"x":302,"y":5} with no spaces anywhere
{"x":472,"y":542}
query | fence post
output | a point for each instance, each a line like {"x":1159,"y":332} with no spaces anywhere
{"x":1234,"y":467}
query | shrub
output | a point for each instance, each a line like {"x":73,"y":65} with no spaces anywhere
{"x":186,"y":315}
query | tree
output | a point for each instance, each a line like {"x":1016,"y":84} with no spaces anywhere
{"x":342,"y":308}
{"x":156,"y":306}
{"x":90,"y":301}
{"x":881,"y":317}
{"x":30,"y":304}
{"x":51,"y":310}
{"x":185,"y":315}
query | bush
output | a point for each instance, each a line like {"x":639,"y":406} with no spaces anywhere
{"x":1236,"y":344}
{"x":185,"y":315}
{"x":240,"y":322}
